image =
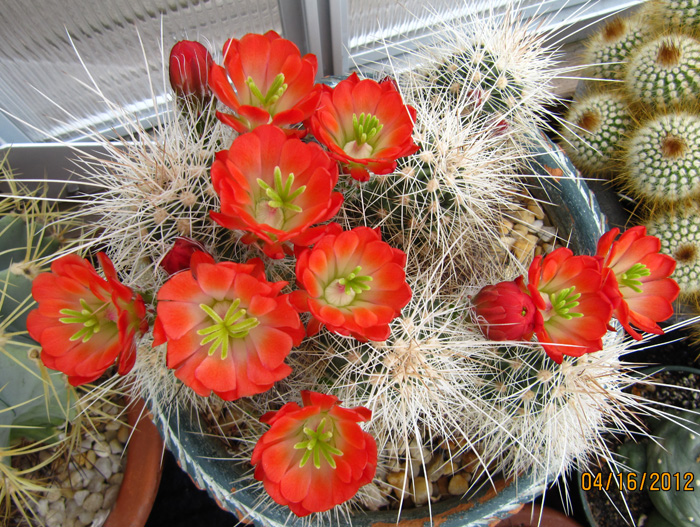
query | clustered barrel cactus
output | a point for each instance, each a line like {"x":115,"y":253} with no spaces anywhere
{"x":653,"y":156}
{"x":357,"y":267}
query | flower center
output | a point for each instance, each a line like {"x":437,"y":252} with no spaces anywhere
{"x":630,"y":278}
{"x":88,"y":317}
{"x":279,"y":203}
{"x":365,"y":128}
{"x":274,"y":92}
{"x":342,"y":291}
{"x":317,"y":444}
{"x":563,"y":302}
{"x":233,"y":325}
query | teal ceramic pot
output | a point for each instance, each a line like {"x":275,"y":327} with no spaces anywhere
{"x":574,"y":210}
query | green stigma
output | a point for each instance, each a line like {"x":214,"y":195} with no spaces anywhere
{"x":630,"y":278}
{"x":316,"y":445}
{"x":281,"y":196}
{"x":355,"y":282}
{"x":274,"y":92}
{"x":366,"y":126}
{"x":233,"y":325}
{"x":564,"y":301}
{"x":86,"y":316}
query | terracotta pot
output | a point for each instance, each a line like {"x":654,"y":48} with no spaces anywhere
{"x":536,"y":516}
{"x":143,"y":470}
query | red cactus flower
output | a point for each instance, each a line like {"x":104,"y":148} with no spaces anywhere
{"x":178,"y":257}
{"x":505,"y":311}
{"x":353,"y":282}
{"x":316,"y":457}
{"x":641,"y":290}
{"x":189,"y":71}
{"x":272,"y":82}
{"x":228,"y":329}
{"x":275,"y":187}
{"x":365,"y":125}
{"x":567,"y":290}
{"x":84,"y":322}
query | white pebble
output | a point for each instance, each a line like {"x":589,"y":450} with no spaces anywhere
{"x":96,"y":484}
{"x":104,"y":467}
{"x":86,"y":517}
{"x":116,"y":447}
{"x":110,"y":496}
{"x":79,"y":497}
{"x":42,"y":507}
{"x":123,"y":434}
{"x":93,"y":503}
{"x":113,"y":425}
{"x":53,"y":494}
{"x":102,"y":449}
{"x":55,"y":520}
{"x":73,"y":509}
{"x":116,"y":478}
{"x":76,"y":479}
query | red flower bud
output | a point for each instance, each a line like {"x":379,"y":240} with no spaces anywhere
{"x":178,"y":258}
{"x":189,"y":70}
{"x":505,"y":312}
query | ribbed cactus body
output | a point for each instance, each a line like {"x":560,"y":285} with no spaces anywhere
{"x":609,"y":49}
{"x":679,"y":232}
{"x":602,"y":121}
{"x":662,"y":159}
{"x":665,"y":72}
{"x":479,"y":76}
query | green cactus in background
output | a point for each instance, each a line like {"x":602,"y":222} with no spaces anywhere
{"x":679,"y":232}
{"x":609,"y":49}
{"x":684,"y":14}
{"x":35,"y":404}
{"x":665,"y":72}
{"x":662,"y":159}
{"x":32,"y":401}
{"x":602,"y":121}
{"x":676,"y":452}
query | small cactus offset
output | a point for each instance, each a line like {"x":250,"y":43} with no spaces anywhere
{"x":665,"y":72}
{"x":676,"y":452}
{"x":609,"y":49}
{"x":662,"y":159}
{"x":600,"y":122}
{"x":679,"y":232}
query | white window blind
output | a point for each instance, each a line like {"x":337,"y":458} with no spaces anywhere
{"x":44,"y":85}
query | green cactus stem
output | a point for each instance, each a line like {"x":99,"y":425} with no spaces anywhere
{"x":676,"y":452}
{"x":609,"y":49}
{"x":662,"y":159}
{"x":665,"y":72}
{"x":600,"y":122}
{"x":679,"y":232}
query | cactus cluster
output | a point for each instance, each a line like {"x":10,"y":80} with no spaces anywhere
{"x":656,"y":159}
